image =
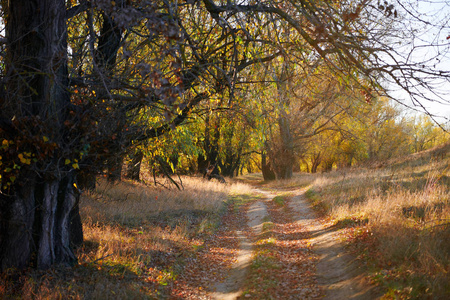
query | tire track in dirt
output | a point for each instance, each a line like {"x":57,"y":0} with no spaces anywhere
{"x":338,"y":273}
{"x":230,"y":288}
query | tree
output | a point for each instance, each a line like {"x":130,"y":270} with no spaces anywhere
{"x":35,"y":105}
{"x":48,"y":125}
{"x":76,"y":76}
{"x":384,"y":136}
{"x":424,"y":134}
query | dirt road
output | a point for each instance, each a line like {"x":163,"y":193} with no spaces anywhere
{"x":337,"y":273}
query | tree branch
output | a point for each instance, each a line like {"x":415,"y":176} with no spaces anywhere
{"x":75,"y":10}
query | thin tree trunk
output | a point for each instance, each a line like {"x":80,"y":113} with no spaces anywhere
{"x":114,"y":168}
{"x":202,"y":160}
{"x":268,"y":173}
{"x":315,"y":162}
{"x":86,"y":180}
{"x":106,"y":57}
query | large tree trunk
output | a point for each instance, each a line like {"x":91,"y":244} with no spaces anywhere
{"x":268,"y":173}
{"x":36,"y":224}
{"x":35,"y":214}
{"x":285,"y":159}
{"x":17,"y":217}
{"x":53,"y":226}
{"x":134,"y":167}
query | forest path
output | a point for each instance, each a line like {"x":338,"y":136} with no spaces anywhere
{"x":230,"y":289}
{"x":338,"y":275}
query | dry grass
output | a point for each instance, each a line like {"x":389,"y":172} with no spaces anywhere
{"x":298,"y":180}
{"x":131,"y":202}
{"x":137,"y":239}
{"x":400,"y":219}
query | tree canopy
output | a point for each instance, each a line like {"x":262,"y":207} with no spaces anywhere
{"x":84,"y":83}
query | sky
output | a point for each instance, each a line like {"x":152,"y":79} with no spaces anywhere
{"x":431,"y":44}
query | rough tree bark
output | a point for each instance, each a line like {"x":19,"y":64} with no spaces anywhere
{"x":268,"y":173}
{"x":285,"y":159}
{"x":134,"y":167}
{"x":35,"y":216}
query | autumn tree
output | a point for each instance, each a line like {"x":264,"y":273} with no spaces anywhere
{"x":56,"y":120}
{"x":423,"y":133}
{"x":77,"y":75}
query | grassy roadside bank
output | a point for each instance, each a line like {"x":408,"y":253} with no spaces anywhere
{"x":397,"y":219}
{"x":138,"y":241}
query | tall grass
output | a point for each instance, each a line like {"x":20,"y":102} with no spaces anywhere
{"x":136,"y":239}
{"x":131,"y":202}
{"x":405,"y":209}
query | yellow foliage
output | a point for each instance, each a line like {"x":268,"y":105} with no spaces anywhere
{"x":6,"y":143}
{"x":23,"y":159}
